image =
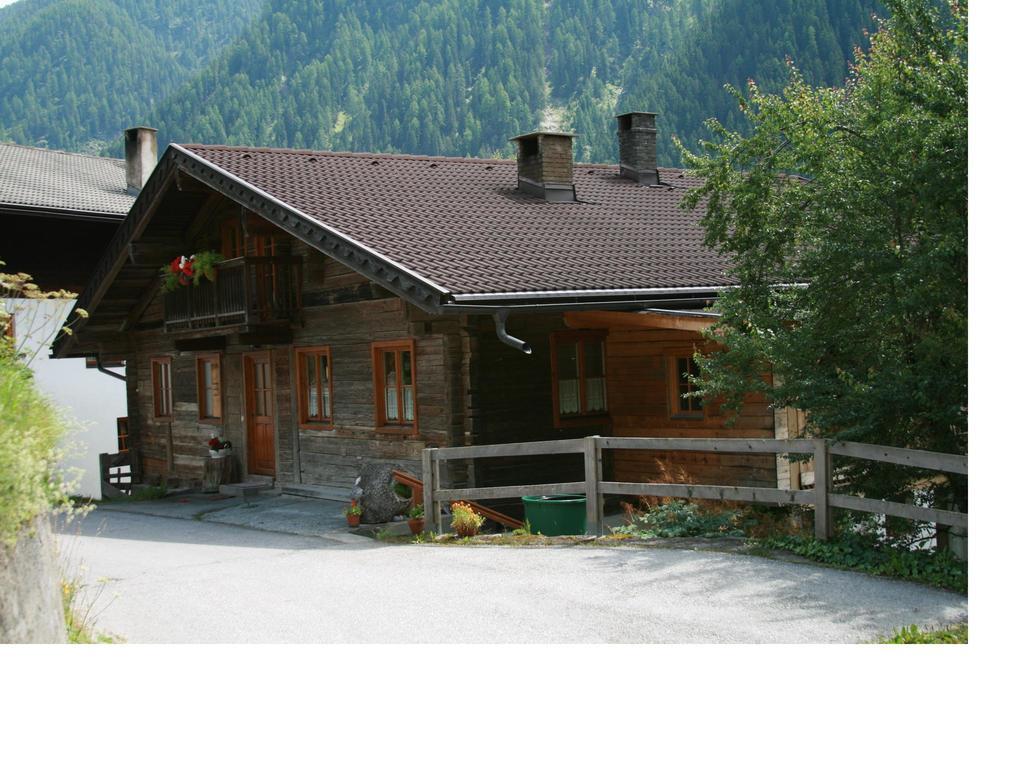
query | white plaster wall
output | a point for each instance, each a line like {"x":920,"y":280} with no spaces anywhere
{"x":88,"y":400}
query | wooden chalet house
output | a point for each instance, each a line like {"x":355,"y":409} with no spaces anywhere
{"x":372,"y":305}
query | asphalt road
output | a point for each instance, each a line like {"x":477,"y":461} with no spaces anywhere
{"x":154,"y":579}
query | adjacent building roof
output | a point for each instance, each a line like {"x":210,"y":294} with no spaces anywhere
{"x":462,"y":226}
{"x":62,"y":183}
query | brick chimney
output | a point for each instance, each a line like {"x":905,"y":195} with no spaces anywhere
{"x":139,"y":155}
{"x":638,"y":152}
{"x":545,"y":165}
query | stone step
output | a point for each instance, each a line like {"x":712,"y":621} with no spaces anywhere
{"x":326,"y":492}
{"x":247,"y":488}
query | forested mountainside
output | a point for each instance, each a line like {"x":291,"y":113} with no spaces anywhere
{"x":74,"y":73}
{"x":449,"y":77}
{"x":689,"y":54}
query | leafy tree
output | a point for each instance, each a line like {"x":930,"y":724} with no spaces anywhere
{"x":858,"y":195}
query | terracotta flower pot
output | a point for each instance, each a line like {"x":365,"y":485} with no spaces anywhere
{"x":416,"y":525}
{"x":353,"y":521}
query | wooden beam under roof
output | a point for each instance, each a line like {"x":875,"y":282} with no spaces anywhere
{"x":201,"y":344}
{"x":612,"y":319}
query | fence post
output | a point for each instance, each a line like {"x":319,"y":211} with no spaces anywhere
{"x":104,"y":475}
{"x":822,"y":483}
{"x":430,"y":506}
{"x":592,"y":479}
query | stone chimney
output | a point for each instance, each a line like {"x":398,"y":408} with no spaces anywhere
{"x":139,"y":155}
{"x":545,"y":165}
{"x":638,"y":147}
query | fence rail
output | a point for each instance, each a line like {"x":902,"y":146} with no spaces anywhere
{"x":822,"y":498}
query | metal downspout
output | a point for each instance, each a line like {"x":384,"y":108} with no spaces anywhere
{"x":101,"y":369}
{"x":500,"y":318}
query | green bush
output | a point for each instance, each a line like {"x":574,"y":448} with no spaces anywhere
{"x":863,"y":553}
{"x":680,"y":518}
{"x":29,"y":434}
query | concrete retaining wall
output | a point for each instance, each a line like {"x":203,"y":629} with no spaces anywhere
{"x":30,"y":602}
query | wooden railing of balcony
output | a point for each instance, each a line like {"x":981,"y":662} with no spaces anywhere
{"x":246,"y":292}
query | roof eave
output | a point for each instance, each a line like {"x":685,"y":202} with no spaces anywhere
{"x":687,"y":297}
{"x":61,"y":213}
{"x":558,"y":301}
{"x":587,"y":294}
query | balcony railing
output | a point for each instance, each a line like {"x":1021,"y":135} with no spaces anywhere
{"x":245,"y":293}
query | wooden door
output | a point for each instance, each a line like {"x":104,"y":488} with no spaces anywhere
{"x":259,"y":414}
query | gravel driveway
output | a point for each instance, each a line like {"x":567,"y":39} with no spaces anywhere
{"x":180,"y":580}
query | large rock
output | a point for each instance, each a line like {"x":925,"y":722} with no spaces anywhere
{"x":375,"y":493}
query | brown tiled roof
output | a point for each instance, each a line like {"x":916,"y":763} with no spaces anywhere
{"x":461,"y":223}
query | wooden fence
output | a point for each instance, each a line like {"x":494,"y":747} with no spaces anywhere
{"x":596,"y":487}
{"x":118,"y":472}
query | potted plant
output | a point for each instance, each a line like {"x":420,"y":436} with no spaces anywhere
{"x":465,"y":522}
{"x":189,"y":270}
{"x":218,"y":447}
{"x":416,"y":520}
{"x":355,"y":512}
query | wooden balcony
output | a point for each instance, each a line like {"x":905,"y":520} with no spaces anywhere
{"x":246,"y":293}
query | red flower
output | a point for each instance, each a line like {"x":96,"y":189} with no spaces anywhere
{"x":182,"y":267}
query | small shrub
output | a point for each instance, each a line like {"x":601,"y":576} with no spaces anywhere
{"x":864,"y":553}
{"x":680,"y":518}
{"x":30,"y":431}
{"x":416,"y":512}
{"x":31,"y":481}
{"x":465,"y":522}
{"x":763,"y":522}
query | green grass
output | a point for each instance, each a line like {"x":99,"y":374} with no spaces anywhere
{"x":78,"y":619}
{"x":911,"y":635}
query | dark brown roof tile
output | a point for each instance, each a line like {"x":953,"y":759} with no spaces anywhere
{"x":462,"y":224}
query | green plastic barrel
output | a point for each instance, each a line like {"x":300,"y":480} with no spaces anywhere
{"x":557,"y":515}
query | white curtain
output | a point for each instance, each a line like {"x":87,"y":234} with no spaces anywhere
{"x":568,"y":396}
{"x":407,"y":402}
